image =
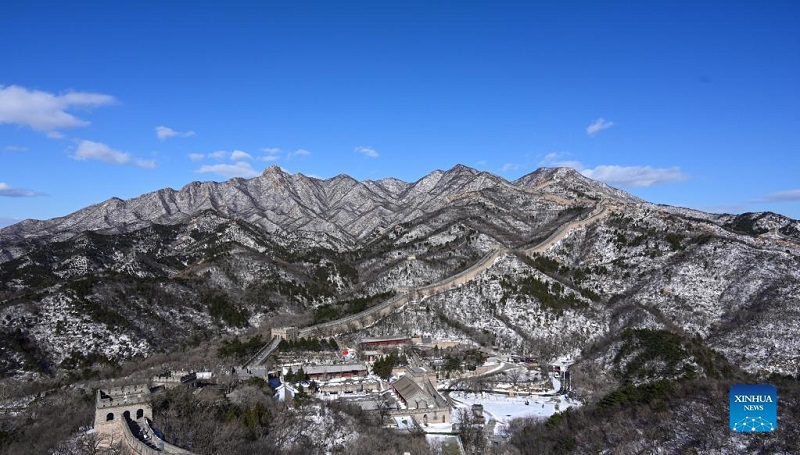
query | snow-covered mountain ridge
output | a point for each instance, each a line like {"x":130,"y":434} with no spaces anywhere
{"x":171,"y":266}
{"x":339,"y":212}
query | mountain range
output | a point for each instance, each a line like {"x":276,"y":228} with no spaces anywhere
{"x":125,"y":278}
{"x":663,"y":308}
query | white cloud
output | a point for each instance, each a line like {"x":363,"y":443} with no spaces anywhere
{"x":240,"y":169}
{"x":163,"y":133}
{"x":270,"y":158}
{"x":88,"y":150}
{"x":782,"y":196}
{"x":634,"y":176}
{"x":271,"y":150}
{"x":46,"y":112}
{"x":555,"y":159}
{"x":629,"y":176}
{"x":8,"y":191}
{"x":367,"y":151}
{"x":300,"y":152}
{"x":598,"y":125}
{"x":238,"y":155}
{"x":15,"y":148}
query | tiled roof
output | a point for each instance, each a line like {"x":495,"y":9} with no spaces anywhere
{"x":412,"y":394}
{"x":340,"y":368}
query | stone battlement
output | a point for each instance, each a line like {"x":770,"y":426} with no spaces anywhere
{"x":122,"y":396}
{"x":115,"y":404}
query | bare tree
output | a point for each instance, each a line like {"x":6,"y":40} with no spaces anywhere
{"x":383,"y":409}
{"x":90,"y":443}
{"x":479,"y":384}
{"x":514,"y":376}
{"x":471,"y":433}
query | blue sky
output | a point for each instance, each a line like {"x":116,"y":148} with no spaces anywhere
{"x":693,"y":104}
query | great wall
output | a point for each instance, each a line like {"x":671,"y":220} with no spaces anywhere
{"x":122,"y":418}
{"x":372,"y":315}
{"x":123,"y":415}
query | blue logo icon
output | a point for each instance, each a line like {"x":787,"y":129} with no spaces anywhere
{"x":753,"y":408}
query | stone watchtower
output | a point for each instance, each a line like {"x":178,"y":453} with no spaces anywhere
{"x":113,"y":406}
{"x":285,"y":333}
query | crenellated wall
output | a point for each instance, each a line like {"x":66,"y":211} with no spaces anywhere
{"x":115,"y":408}
{"x":372,"y":315}
{"x":112,"y":405}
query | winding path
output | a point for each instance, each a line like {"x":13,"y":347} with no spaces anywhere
{"x":374,"y":314}
{"x":263,"y":353}
{"x":599,"y":211}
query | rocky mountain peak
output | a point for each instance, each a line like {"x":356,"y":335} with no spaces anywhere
{"x":337,"y":211}
{"x":571,"y":181}
{"x":462,"y":169}
{"x":546,"y":175}
{"x":273,"y":170}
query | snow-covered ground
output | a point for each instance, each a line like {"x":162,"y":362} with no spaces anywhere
{"x":438,"y":428}
{"x":503,"y":409}
{"x":404,"y":422}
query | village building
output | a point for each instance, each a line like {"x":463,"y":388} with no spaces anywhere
{"x":350,"y":385}
{"x":327,"y":372}
{"x":384,"y":400}
{"x":412,"y":394}
{"x":285,"y":393}
{"x":370,"y":356}
{"x":383,"y":343}
{"x":417,"y":392}
{"x":430,"y":343}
